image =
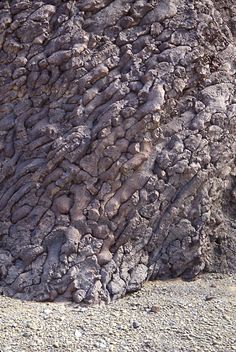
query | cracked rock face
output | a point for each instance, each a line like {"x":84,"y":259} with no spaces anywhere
{"x":117,"y":144}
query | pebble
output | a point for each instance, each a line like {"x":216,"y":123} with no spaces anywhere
{"x":31,"y":326}
{"x":26,"y":334}
{"x":78,"y":334}
{"x":209,"y":298}
{"x":226,"y":317}
{"x":155,"y":309}
{"x":135,"y":324}
{"x":101,"y":344}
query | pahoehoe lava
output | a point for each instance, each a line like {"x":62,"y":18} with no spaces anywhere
{"x":117,"y":145}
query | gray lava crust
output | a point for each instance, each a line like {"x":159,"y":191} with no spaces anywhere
{"x":117,"y":145}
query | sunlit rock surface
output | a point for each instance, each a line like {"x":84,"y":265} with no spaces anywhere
{"x":117,"y":144}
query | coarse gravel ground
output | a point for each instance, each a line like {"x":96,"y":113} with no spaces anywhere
{"x":165,"y":316}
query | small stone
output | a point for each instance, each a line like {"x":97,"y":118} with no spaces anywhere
{"x":55,"y":344}
{"x":209,"y":298}
{"x":213,"y":285}
{"x":148,"y":343}
{"x":155,"y":309}
{"x":135,"y":324}
{"x":31,"y":326}
{"x":26,"y":334}
{"x":83,"y":309}
{"x":101,"y":344}
{"x":226,"y":317}
{"x":78,"y":334}
{"x":60,"y":318}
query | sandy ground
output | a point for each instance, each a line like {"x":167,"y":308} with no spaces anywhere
{"x":168,"y":316}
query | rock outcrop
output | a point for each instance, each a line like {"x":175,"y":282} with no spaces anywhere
{"x":117,"y":144}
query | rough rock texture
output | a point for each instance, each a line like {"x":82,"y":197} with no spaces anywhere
{"x":117,"y":144}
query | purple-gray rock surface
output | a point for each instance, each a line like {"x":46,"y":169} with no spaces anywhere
{"x":117,"y":144}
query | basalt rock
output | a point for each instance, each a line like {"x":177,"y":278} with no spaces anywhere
{"x":117,"y":144}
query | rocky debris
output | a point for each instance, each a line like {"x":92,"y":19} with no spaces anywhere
{"x":155,"y":309}
{"x":184,"y":321}
{"x":117,"y":145}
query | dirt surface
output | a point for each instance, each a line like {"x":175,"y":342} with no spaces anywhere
{"x":168,"y":316}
